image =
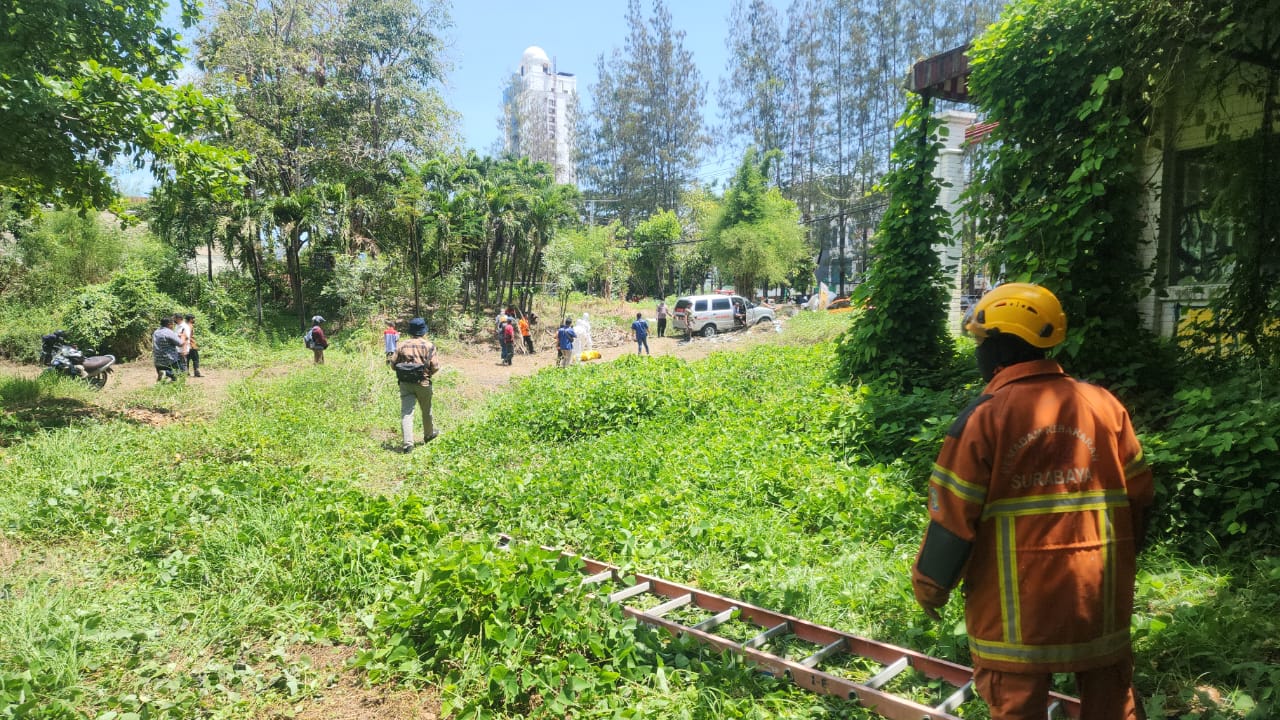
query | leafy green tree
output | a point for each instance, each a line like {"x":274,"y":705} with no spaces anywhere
{"x":757,"y":238}
{"x":86,"y":84}
{"x":328,"y":94}
{"x":901,"y":331}
{"x":842,"y":94}
{"x":592,"y":259}
{"x":185,"y":219}
{"x":654,"y":243}
{"x":641,"y":145}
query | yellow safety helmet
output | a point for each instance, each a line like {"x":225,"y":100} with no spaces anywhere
{"x":1023,"y":309}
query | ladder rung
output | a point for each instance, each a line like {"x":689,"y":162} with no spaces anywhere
{"x":889,"y":673}
{"x":716,"y":621}
{"x":767,"y":635}
{"x":669,"y":605}
{"x":823,"y":654}
{"x":958,"y":698}
{"x":598,"y":577}
{"x":630,"y":592}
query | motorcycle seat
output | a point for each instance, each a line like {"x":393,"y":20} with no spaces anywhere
{"x":97,"y":362}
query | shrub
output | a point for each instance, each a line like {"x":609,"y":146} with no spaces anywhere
{"x":510,"y":631}
{"x":116,"y":317}
{"x":20,"y":331}
{"x":887,"y":426}
{"x":65,"y":251}
{"x":598,"y":399}
{"x":1217,"y":464}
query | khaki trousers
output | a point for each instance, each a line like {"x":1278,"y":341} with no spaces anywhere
{"x":413,"y":394}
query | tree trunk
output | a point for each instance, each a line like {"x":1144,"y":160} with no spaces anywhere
{"x":294,"y":266}
{"x":257,"y":273}
{"x":209,"y":255}
{"x":414,"y":253}
{"x":511,"y":276}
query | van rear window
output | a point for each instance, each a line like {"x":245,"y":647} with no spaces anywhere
{"x":683,"y":304}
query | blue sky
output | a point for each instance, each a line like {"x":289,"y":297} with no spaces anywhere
{"x":488,"y":37}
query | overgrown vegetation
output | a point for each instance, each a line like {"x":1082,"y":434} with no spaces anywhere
{"x":213,"y":557}
{"x":900,"y":333}
{"x":1059,"y":198}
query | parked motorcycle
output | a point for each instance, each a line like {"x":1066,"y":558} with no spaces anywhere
{"x":59,"y":355}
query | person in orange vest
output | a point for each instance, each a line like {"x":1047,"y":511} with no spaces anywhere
{"x":524,"y":333}
{"x":1038,"y":502}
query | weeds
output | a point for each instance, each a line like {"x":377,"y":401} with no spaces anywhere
{"x":195,"y":556}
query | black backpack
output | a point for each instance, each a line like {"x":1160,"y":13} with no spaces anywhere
{"x":410,"y":372}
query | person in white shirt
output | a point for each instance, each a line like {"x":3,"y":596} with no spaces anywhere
{"x":183,"y":329}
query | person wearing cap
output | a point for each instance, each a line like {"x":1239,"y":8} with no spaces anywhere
{"x":318,"y":340}
{"x":1038,"y":502}
{"x":415,"y":362}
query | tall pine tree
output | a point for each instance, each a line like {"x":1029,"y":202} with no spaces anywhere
{"x":643,"y":140}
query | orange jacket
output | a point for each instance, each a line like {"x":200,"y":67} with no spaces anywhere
{"x":1037,"y":502}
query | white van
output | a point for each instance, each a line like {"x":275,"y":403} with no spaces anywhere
{"x":710,"y":314}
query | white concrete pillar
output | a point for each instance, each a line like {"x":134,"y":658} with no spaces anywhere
{"x":950,"y":171}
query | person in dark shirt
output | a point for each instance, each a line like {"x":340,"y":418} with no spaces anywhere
{"x":564,"y":341}
{"x":641,"y":328}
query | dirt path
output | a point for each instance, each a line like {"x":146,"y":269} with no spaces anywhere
{"x":476,"y":361}
{"x":480,"y":364}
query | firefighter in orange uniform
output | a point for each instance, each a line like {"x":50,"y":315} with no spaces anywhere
{"x":1037,"y":502}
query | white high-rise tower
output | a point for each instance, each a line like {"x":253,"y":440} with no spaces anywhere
{"x":538,"y":109}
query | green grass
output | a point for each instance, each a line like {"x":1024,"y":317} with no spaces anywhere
{"x":177,"y":570}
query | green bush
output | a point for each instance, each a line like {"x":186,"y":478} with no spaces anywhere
{"x":64,"y":251}
{"x":884,"y":425}
{"x":118,"y":316}
{"x":20,"y":331}
{"x":508,"y":631}
{"x":1217,"y":463}
{"x":595,"y":399}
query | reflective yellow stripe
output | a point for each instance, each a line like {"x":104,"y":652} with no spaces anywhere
{"x":1107,"y":536}
{"x":1135,"y":466}
{"x":1010,"y":602}
{"x":961,"y":488}
{"x":1018,"y":653}
{"x":1051,"y":503}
